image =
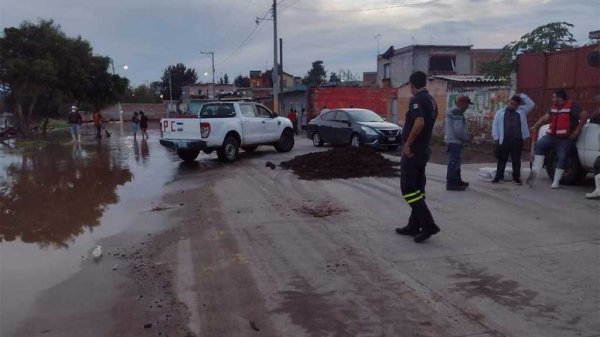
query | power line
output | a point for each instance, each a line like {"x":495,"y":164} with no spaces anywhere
{"x":363,"y":9}
{"x":257,"y":28}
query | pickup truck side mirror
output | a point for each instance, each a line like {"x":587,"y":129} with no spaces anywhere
{"x":274,"y":115}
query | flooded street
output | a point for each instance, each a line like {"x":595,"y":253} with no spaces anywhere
{"x":59,"y":199}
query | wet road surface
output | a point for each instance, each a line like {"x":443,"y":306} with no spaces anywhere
{"x":254,"y":251}
{"x":58,"y":199}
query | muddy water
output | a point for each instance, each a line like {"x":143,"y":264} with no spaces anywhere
{"x":58,"y":199}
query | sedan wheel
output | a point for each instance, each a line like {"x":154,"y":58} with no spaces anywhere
{"x":317,"y":141}
{"x":355,"y":141}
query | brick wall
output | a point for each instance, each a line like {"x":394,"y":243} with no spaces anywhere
{"x":375,"y":99}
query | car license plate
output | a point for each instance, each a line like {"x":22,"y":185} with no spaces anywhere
{"x":392,"y":139}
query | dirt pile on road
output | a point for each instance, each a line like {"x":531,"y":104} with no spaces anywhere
{"x":342,"y":163}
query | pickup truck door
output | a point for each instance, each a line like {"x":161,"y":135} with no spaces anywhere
{"x":269,"y":128}
{"x":588,"y":144}
{"x":250,"y":124}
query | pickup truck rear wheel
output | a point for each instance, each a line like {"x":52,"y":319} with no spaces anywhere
{"x":188,"y":155}
{"x":574,"y":172}
{"x":228,"y":152}
{"x":286,"y":141}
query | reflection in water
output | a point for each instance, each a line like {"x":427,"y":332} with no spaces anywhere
{"x":53,"y":194}
{"x":145,"y":150}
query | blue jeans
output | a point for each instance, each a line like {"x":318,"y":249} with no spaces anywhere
{"x":564,"y":148}
{"x":75,"y":130}
{"x":454,"y":160}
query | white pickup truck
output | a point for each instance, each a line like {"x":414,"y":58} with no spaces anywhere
{"x":226,"y":127}
{"x":580,"y":163}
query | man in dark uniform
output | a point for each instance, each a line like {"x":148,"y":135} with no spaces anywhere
{"x":416,"y":134}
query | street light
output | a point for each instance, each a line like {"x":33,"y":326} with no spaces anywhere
{"x":118,"y":105}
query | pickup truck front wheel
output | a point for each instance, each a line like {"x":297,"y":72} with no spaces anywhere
{"x":188,"y":155}
{"x":228,"y":152}
{"x":286,"y":142}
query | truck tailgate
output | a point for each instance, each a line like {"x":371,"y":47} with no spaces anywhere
{"x":180,"y":128}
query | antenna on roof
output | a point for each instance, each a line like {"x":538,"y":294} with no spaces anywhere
{"x":377,"y":37}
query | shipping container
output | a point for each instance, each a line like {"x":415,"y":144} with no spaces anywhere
{"x":561,"y":70}
{"x":587,"y":76}
{"x":568,"y":69}
{"x":531,"y":71}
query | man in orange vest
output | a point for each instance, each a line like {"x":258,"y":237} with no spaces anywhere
{"x":566,"y":121}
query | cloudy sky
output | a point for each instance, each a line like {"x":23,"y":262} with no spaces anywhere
{"x":149,"y":35}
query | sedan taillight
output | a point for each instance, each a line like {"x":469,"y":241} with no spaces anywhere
{"x":204,"y":130}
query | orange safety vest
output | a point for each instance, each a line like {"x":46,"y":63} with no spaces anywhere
{"x":560,"y":120}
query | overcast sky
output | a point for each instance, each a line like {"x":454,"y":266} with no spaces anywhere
{"x":149,"y":35}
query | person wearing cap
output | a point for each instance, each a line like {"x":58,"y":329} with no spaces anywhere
{"x":509,"y":130}
{"x":456,"y":133}
{"x":75,"y":121}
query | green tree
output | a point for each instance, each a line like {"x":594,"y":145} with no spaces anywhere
{"x":226,"y":79}
{"x":142,"y":94}
{"x":547,"y":38}
{"x":44,"y":69}
{"x":180,"y":76}
{"x":334,"y":78}
{"x":316,"y":75}
{"x":242,"y":82}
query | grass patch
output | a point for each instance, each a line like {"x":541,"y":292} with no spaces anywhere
{"x":56,"y":123}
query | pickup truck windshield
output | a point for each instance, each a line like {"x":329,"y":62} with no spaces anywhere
{"x":220,"y":110}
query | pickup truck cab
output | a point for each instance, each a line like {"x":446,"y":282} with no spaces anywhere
{"x":225,"y":127}
{"x":580,"y":163}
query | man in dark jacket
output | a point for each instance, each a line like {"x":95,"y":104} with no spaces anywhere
{"x":416,"y":135}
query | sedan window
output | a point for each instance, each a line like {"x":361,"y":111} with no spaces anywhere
{"x":364,"y":115}
{"x":328,"y":116}
{"x":342,"y":116}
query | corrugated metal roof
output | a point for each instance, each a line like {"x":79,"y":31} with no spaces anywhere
{"x":467,"y":78}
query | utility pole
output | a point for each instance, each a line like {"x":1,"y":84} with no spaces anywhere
{"x":275,"y":63}
{"x":281,"y":65}
{"x":170,"y":96}
{"x":212,"y":56}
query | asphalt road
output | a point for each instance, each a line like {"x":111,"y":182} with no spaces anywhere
{"x":288,"y":257}
{"x":242,"y":250}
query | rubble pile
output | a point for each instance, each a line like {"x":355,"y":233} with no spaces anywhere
{"x":342,"y":163}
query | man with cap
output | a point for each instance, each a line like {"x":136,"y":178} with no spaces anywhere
{"x":75,"y":121}
{"x":456,"y":132}
{"x":509,"y":130}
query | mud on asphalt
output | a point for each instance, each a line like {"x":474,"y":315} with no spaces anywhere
{"x":342,"y":163}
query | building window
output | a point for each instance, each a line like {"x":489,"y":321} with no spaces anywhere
{"x":387,"y":71}
{"x":442,"y":63}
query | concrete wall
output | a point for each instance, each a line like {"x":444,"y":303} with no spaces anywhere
{"x":294,"y":100}
{"x":153,"y":111}
{"x":417,"y":59}
{"x":402,"y":67}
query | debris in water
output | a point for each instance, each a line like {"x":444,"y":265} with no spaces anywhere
{"x":115,"y":266}
{"x":97,"y":252}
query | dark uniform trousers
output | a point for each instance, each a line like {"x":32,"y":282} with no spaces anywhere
{"x":412,"y":185}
